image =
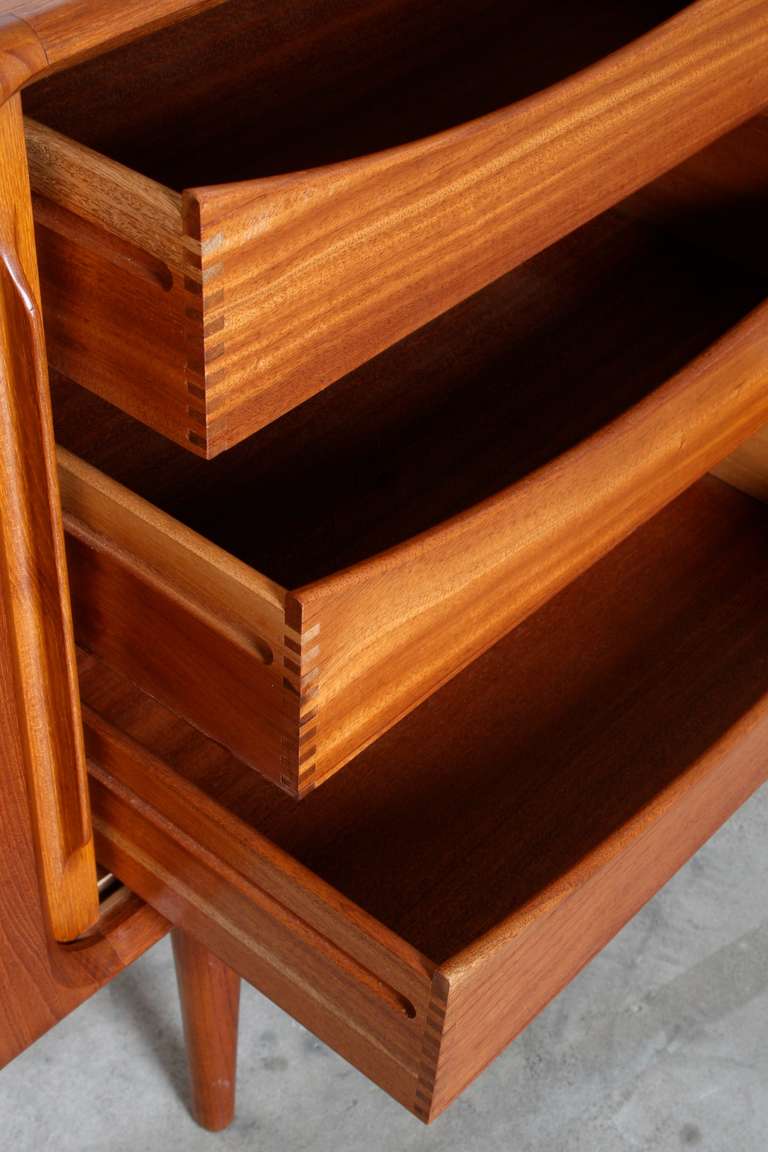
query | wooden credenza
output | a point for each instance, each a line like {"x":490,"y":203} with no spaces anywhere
{"x":383,"y":467}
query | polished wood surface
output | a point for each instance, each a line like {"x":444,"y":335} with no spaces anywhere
{"x":272,"y":89}
{"x":33,"y":575}
{"x":43,"y":981}
{"x":401,"y":532}
{"x":480,"y":853}
{"x":209,"y":992}
{"x":169,"y":607}
{"x":48,"y":890}
{"x":38,"y":36}
{"x":297,"y":277}
{"x":111,"y":259}
{"x":393,"y":913}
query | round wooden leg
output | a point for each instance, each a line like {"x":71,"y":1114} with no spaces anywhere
{"x":210,"y":1000}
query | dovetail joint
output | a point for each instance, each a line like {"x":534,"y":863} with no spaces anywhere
{"x":203,"y":337}
{"x":430,"y":1053}
{"x":301,"y":680}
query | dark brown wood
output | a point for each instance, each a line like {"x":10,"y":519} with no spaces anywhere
{"x":300,"y":263}
{"x":385,"y":533}
{"x":209,"y":992}
{"x":480,"y":853}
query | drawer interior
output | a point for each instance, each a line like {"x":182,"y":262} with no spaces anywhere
{"x":259,"y":87}
{"x":517,"y":769}
{"x":485,"y":395}
{"x":477,"y":822}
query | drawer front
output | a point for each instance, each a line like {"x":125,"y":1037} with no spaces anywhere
{"x":192,"y":625}
{"x":354,"y":984}
{"x":274,"y":288}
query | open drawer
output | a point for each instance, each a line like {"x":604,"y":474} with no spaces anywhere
{"x":420,"y":909}
{"x":236,"y":212}
{"x":294,"y":598}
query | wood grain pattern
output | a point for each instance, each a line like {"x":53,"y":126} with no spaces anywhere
{"x":260,"y":88}
{"x":501,"y":561}
{"x":33,"y":574}
{"x":57,"y":32}
{"x":123,"y":203}
{"x":301,"y":277}
{"x":22,"y":56}
{"x":358,"y":255}
{"x":112,"y":259}
{"x":487,"y":847}
{"x":210,"y":1004}
{"x":312,"y":952}
{"x":43,"y":981}
{"x":46,"y":852}
{"x":451,"y":533}
{"x":169,"y":607}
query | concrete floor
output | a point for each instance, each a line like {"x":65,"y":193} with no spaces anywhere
{"x":660,"y":1045}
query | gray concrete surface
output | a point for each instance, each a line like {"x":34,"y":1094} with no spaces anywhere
{"x":660,"y":1045}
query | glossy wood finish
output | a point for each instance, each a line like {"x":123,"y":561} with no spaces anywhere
{"x":112,"y":261}
{"x":46,"y":857}
{"x":209,"y":992}
{"x":39,"y":36}
{"x":419,"y":910}
{"x":44,"y":981}
{"x":33,"y":575}
{"x":410,"y":535}
{"x":294,"y":279}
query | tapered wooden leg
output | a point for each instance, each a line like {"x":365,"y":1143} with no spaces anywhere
{"x":210,"y":1002}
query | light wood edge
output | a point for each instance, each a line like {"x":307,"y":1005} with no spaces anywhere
{"x":34,"y":575}
{"x":304,"y":666}
{"x":747,"y":467}
{"x":107,"y":193}
{"x":22,"y":55}
{"x":235,"y":600}
{"x":197,"y":569}
{"x":554,"y":139}
{"x":207,"y":332}
{"x":136,"y":848}
{"x":125,"y":929}
{"x":144,"y":214}
{"x":500,"y":560}
{"x":434,"y":1031}
{"x":187,"y":878}
{"x":66,"y":31}
{"x":216,"y":834}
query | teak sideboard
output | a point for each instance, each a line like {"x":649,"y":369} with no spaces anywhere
{"x":383,"y":466}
